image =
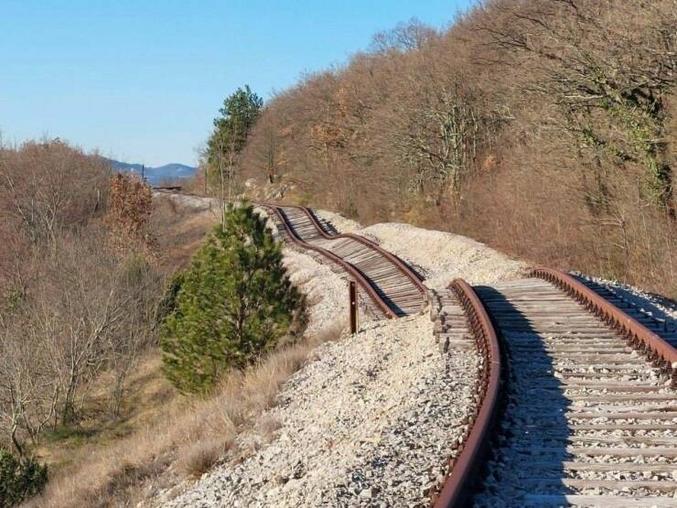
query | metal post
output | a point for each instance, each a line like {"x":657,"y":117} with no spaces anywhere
{"x":353,"y":306}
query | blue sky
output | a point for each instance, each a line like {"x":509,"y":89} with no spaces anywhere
{"x":142,"y":80}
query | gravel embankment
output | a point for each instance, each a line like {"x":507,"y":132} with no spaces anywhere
{"x":372,"y":420}
{"x":437,"y":255}
{"x":369,"y":423}
{"x":325,"y":290}
{"x":652,"y":305}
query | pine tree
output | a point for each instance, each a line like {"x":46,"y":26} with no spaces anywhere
{"x":20,"y":478}
{"x":235,"y":303}
{"x":231,"y":129}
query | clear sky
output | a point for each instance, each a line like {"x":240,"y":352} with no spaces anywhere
{"x":142,"y":80}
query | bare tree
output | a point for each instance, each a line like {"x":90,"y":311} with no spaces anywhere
{"x":49,"y":185}
{"x":408,"y":36}
{"x":609,"y":69}
{"x":28,"y":394}
{"x":73,"y":304}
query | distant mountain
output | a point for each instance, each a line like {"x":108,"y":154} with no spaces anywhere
{"x":155,"y":176}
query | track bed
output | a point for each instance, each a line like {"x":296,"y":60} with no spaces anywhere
{"x":388,"y":282}
{"x":587,"y":421}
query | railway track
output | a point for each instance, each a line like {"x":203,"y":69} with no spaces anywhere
{"x":586,"y":412}
{"x":386,"y":283}
{"x":387,"y":286}
{"x":576,"y":402}
{"x":659,"y":324}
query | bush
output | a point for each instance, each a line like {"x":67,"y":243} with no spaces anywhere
{"x":129,"y":209}
{"x":235,"y":302}
{"x":19,"y":478}
{"x":130,"y":205}
{"x":167,"y":304}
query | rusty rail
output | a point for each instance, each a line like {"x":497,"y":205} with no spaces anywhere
{"x":359,"y":278}
{"x":658,"y":351}
{"x":408,"y":272}
{"x":456,"y":488}
{"x":399,"y":264}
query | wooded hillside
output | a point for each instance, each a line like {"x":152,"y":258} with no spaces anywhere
{"x":545,"y":128}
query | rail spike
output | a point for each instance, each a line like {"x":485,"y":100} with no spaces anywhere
{"x":636,"y":334}
{"x":463,"y":468}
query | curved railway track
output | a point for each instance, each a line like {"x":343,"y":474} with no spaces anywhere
{"x":576,"y":402}
{"x":387,"y":285}
{"x":587,"y":413}
{"x":391,"y":286}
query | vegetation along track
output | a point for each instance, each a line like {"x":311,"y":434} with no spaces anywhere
{"x":392,"y":286}
{"x":587,"y":410}
{"x":389,"y":284}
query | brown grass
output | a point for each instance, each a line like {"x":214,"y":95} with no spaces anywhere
{"x":171,"y":438}
{"x":180,"y":230}
{"x":201,"y":456}
{"x":162,"y":437}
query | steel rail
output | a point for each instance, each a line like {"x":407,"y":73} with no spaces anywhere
{"x":360,"y":279}
{"x":399,"y":264}
{"x":465,"y":466}
{"x":639,"y":337}
{"x":408,"y":272}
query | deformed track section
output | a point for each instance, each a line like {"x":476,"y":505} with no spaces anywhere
{"x":584,"y":421}
{"x":394,"y":288}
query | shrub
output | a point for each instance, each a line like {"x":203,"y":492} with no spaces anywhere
{"x":130,"y":206}
{"x":20,"y":478}
{"x":234,"y":303}
{"x":167,"y":304}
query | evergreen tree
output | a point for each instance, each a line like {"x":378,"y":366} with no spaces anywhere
{"x":20,"y":478}
{"x":234,"y":303}
{"x":231,"y":129}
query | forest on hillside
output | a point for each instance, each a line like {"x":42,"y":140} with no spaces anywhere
{"x":545,"y":128}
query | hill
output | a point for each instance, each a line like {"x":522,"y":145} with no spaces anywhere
{"x":156,"y":175}
{"x":546,"y":129}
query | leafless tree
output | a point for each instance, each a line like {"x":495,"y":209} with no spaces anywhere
{"x":408,"y":36}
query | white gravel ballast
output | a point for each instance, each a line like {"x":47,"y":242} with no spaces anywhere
{"x":373,"y":419}
{"x":370,"y":423}
{"x":437,"y":255}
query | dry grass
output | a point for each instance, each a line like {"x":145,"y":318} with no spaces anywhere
{"x":201,"y":456}
{"x":180,"y":230}
{"x":164,"y":438}
{"x":172,"y":438}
